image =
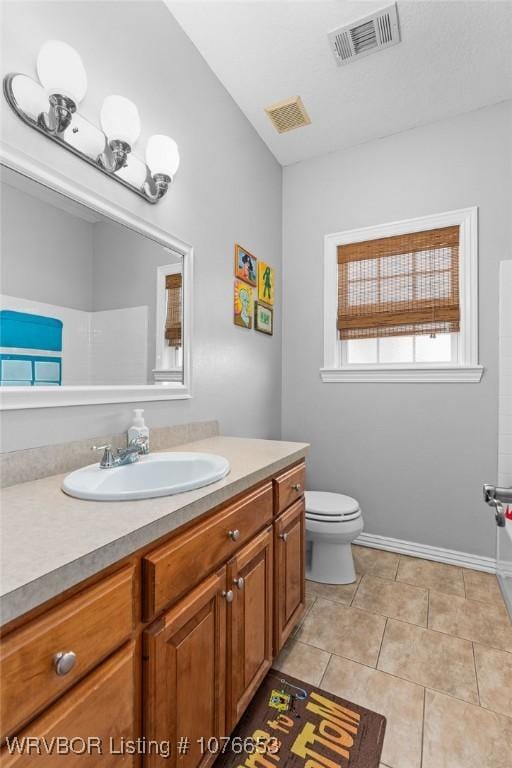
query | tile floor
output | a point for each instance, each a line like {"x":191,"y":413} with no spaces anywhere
{"x":427,"y":645}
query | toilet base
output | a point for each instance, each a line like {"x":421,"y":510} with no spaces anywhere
{"x":331,"y":563}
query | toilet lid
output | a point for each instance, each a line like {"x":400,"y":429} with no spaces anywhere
{"x":321,"y":505}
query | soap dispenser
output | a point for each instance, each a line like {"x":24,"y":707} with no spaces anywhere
{"x":138,"y":430}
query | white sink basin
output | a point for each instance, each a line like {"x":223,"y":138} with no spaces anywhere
{"x":159,"y":474}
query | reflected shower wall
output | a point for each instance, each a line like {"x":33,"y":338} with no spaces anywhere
{"x":504,"y":551}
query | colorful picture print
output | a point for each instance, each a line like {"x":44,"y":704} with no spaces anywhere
{"x":265,"y":283}
{"x":245,"y":265}
{"x":263,"y":318}
{"x":243,"y":305}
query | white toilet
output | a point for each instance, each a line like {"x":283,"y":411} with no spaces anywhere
{"x":333,"y":521}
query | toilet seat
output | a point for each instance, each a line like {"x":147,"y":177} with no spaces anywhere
{"x":333,"y":518}
{"x":325,"y":507}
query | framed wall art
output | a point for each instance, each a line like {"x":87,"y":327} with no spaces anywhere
{"x":245,"y":265}
{"x":265,"y":283}
{"x":243,"y":308}
{"x":263,"y":318}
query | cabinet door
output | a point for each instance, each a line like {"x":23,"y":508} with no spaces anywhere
{"x":100,"y":708}
{"x":184,"y":674}
{"x":250,"y":577}
{"x":289,"y":585}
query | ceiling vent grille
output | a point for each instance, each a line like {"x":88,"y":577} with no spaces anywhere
{"x":288,"y":115}
{"x":368,"y":35}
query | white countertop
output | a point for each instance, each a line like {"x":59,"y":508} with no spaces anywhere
{"x":51,"y":541}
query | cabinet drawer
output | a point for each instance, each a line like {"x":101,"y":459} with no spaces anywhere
{"x":289,"y":487}
{"x":101,"y":708}
{"x":173,"y":568}
{"x":90,"y":624}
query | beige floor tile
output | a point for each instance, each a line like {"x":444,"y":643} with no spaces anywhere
{"x":399,"y":701}
{"x":494,"y":674}
{"x":340,"y":593}
{"x":483,"y":587}
{"x":425,"y":573}
{"x":485,"y":623}
{"x":347,"y":631}
{"x":430,"y":659}
{"x":375,"y":561}
{"x":393,"y":599}
{"x":461,"y":735}
{"x":310,"y":599}
{"x":302,"y":661}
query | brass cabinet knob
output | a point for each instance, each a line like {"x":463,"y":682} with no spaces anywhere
{"x":297,"y":487}
{"x":234,"y":535}
{"x":63,"y":662}
{"x":283,"y":536}
{"x":239,"y":582}
{"x":228,"y":595}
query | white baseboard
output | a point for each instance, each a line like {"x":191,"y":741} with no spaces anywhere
{"x":438,"y":554}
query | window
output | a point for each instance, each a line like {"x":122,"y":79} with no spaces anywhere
{"x":401,"y":301}
{"x":173,"y":333}
{"x":169,"y":323}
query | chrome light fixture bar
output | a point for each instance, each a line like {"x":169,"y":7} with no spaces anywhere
{"x":51,"y":107}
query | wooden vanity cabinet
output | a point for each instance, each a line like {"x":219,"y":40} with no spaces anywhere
{"x":173,"y":568}
{"x":250,"y":576}
{"x":289,"y":572}
{"x":289,"y":487}
{"x":222,"y":595}
{"x":97,"y":718}
{"x":90,"y":625}
{"x":184,"y":673}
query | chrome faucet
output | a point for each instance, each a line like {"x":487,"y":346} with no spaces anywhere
{"x":122,"y":456}
{"x":496,"y":498}
{"x":501,"y":495}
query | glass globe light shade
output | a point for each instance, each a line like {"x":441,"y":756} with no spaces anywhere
{"x":30,"y":95}
{"x":162,"y":155}
{"x":120,"y":119}
{"x":61,"y":71}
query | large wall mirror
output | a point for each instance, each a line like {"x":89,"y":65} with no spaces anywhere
{"x":91,"y":310}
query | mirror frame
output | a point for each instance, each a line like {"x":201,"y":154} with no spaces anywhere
{"x":17,"y":398}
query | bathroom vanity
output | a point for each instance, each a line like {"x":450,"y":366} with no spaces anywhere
{"x":173,"y":636}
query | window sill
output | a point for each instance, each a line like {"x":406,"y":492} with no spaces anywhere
{"x":167,"y":375}
{"x":448,"y":374}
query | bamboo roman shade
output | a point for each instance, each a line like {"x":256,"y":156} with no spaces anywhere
{"x":173,"y":330}
{"x":405,"y":285}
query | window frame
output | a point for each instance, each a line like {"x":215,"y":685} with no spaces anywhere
{"x":467,"y":369}
{"x":168,"y":360}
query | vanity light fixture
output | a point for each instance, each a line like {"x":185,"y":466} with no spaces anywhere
{"x":121,"y":125}
{"x":61,"y":72}
{"x":163,"y":160}
{"x":50,"y":106}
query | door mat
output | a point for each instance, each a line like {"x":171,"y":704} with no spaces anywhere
{"x":291,"y":723}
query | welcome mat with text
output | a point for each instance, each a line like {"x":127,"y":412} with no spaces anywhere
{"x":292,"y":724}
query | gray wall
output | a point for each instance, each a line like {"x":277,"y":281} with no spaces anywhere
{"x":46,"y":252}
{"x":228,"y":189}
{"x":415,"y":455}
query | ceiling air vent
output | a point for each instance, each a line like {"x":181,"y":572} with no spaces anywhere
{"x":367,"y":35}
{"x":288,"y":115}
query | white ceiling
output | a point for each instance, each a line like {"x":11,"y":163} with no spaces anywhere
{"x":455,"y":56}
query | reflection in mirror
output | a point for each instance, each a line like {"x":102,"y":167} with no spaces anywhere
{"x":83,"y":300}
